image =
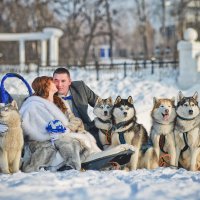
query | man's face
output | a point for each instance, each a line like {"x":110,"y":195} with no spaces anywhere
{"x":62,"y":82}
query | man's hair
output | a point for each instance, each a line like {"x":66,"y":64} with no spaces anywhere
{"x":61,"y":70}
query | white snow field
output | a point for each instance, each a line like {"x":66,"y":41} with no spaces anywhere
{"x":159,"y":184}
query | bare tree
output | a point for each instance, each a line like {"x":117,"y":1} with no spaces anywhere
{"x":110,"y":28}
{"x":180,"y":8}
{"x":142,"y":17}
{"x":85,"y":23}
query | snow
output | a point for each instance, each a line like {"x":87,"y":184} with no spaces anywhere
{"x":162,"y":183}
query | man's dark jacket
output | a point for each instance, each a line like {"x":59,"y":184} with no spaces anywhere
{"x":82,"y":96}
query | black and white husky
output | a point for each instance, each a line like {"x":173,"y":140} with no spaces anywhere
{"x":187,"y":133}
{"x":102,"y":110}
{"x":126,"y":130}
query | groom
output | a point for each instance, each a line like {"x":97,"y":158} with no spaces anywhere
{"x":77,"y":95}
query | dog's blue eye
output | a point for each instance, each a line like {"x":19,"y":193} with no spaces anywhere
{"x":121,"y":108}
{"x":185,"y":105}
{"x":161,"y":106}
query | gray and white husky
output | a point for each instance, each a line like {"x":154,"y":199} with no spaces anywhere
{"x":128,"y":131}
{"x":103,"y":122}
{"x":187,"y":135}
{"x":162,"y":131}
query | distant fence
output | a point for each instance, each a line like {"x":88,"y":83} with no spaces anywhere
{"x":137,"y":68}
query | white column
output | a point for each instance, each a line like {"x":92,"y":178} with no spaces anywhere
{"x":198,"y":61}
{"x":43,"y":52}
{"x":55,"y":34}
{"x":22,"y":54}
{"x":188,"y":51}
{"x":53,"y":49}
{"x":56,"y":52}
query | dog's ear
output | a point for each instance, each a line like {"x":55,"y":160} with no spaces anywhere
{"x":118,"y":100}
{"x":130,"y":99}
{"x":110,"y":100}
{"x":195,"y":96}
{"x":173,"y":100}
{"x":99,"y":100}
{"x":155,"y":100}
{"x":180,"y":96}
{"x":2,"y":105}
{"x":14,"y":104}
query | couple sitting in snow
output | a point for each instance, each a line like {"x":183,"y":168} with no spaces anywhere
{"x":54,"y":135}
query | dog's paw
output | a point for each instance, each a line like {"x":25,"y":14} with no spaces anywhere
{"x":127,"y":147}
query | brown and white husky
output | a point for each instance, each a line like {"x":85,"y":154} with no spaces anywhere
{"x":162,"y":131}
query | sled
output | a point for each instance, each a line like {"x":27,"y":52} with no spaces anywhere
{"x":105,"y":159}
{"x":120,"y":158}
{"x":7,"y":98}
{"x":114,"y":158}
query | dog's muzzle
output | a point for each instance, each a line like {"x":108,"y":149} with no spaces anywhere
{"x":190,"y":112}
{"x":125,"y":114}
{"x":105,"y":113}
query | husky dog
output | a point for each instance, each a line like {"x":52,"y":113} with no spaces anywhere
{"x":11,"y":138}
{"x":102,"y":110}
{"x":162,"y":131}
{"x":127,"y":130}
{"x":187,"y":112}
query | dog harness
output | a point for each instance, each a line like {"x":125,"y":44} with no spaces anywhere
{"x":162,"y":143}
{"x":162,"y":139}
{"x":185,"y":118}
{"x":185,"y":136}
{"x":145,"y":147}
{"x":107,"y":133}
{"x":121,"y":138}
{"x":186,"y":144}
{"x":123,"y":124}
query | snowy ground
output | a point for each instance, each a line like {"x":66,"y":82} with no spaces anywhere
{"x":140,"y":184}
